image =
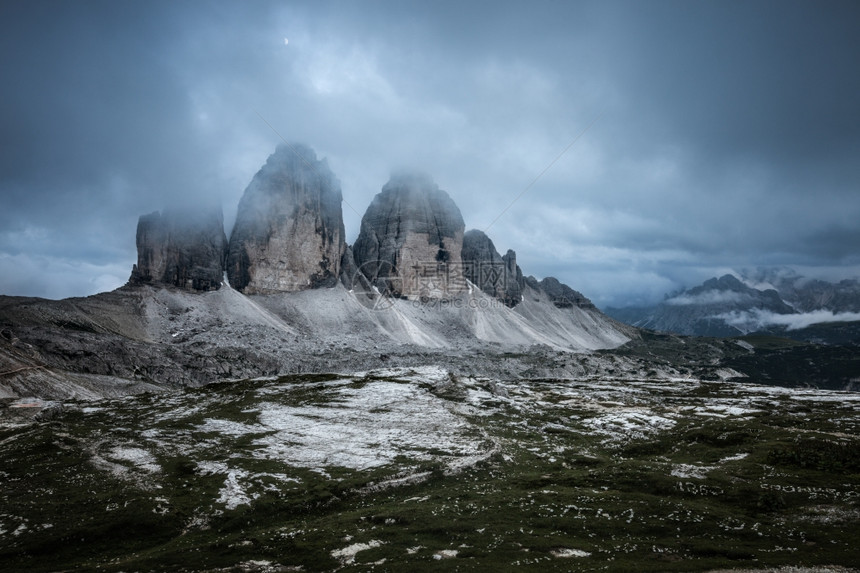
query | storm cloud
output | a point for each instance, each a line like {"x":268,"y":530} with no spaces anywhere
{"x":706,"y":136}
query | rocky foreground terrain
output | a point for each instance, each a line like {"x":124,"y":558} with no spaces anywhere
{"x":422,"y":469}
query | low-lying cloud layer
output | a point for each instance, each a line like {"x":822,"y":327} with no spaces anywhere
{"x":708,"y":297}
{"x":757,"y":319}
{"x":721,"y":135}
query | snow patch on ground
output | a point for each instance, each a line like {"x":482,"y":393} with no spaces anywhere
{"x":567,"y":553}
{"x":690,"y":471}
{"x":228,"y":427}
{"x":727,"y":411}
{"x":232,"y":495}
{"x":348,"y":553}
{"x":445,"y":554}
{"x":629,"y":424}
{"x":367,"y":427}
{"x":234,"y":492}
{"x":141,"y":459}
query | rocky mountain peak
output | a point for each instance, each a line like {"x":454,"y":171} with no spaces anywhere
{"x":562,"y":296}
{"x":289,"y":232}
{"x":184,"y":248}
{"x":411,"y":239}
{"x":714,"y":308}
{"x":725,"y":282}
{"x":494,"y":274}
{"x":729,"y":290}
{"x":806,"y":294}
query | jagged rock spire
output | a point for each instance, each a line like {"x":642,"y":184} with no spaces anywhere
{"x":411,"y":240}
{"x":184,"y":248}
{"x":494,"y":274}
{"x":289,"y":232}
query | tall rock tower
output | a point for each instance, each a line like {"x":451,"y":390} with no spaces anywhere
{"x":184,"y":248}
{"x":496,"y":275}
{"x":411,"y":240}
{"x":289,"y":232}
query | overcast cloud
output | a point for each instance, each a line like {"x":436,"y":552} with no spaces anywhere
{"x":727,"y":134}
{"x":758,"y":319}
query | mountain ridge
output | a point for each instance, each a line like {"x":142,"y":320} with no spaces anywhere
{"x":286,"y":293}
{"x":771,"y":301}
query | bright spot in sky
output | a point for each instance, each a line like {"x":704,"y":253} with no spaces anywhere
{"x":286,"y":41}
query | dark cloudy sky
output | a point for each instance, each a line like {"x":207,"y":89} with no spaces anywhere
{"x":727,"y":134}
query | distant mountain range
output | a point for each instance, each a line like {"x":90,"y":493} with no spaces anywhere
{"x":767,"y":301}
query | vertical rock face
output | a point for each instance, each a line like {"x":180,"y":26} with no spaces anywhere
{"x":289,"y":233}
{"x":494,"y":274}
{"x":411,"y":240}
{"x":515,"y":283}
{"x":181,"y":248}
{"x":348,"y":268}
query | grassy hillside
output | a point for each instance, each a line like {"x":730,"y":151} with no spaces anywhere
{"x":421,"y":470}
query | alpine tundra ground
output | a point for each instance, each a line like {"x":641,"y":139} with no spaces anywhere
{"x":421,"y":470}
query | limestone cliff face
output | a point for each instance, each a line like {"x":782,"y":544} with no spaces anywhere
{"x":411,"y":240}
{"x":494,"y":274}
{"x":513,"y":288}
{"x":289,"y":233}
{"x":181,"y":248}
